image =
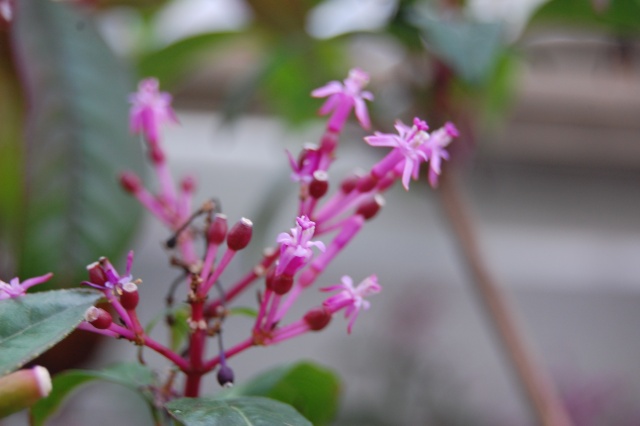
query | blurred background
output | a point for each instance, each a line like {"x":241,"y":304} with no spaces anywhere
{"x":547,"y":98}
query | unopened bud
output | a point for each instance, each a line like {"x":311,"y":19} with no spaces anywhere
{"x":240,"y":234}
{"x":367,"y":183}
{"x":188,"y":184}
{"x":217,"y":231}
{"x":97,"y":317}
{"x":156,"y":155}
{"x":349,"y":184}
{"x":130,"y":182}
{"x":22,"y":389}
{"x":225,"y":376}
{"x":319,"y":185}
{"x":371,"y":207}
{"x":317,"y":318}
{"x":96,"y":274}
{"x":281,"y":284}
{"x":129,"y":298}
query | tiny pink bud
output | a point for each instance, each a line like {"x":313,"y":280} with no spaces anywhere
{"x":96,"y":274}
{"x":130,"y":182}
{"x":317,"y":318}
{"x":129,"y":298}
{"x":281,"y":284}
{"x":349,"y":184}
{"x":240,"y":234}
{"x":99,"y":318}
{"x":156,"y":155}
{"x":217,"y":231}
{"x":367,"y":183}
{"x":188,"y":184}
{"x":319,"y":185}
{"x":225,"y":376}
{"x":371,"y":207}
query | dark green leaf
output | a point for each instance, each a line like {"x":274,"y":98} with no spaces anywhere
{"x":619,"y":16}
{"x":312,"y":390}
{"x":134,"y":376}
{"x":77,"y":142}
{"x":471,"y":49}
{"x":31,"y":324}
{"x":170,"y":63}
{"x":247,"y":411}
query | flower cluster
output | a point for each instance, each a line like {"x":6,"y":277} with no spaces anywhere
{"x":288,"y":270}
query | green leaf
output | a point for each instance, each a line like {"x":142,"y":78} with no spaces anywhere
{"x":171,"y":63}
{"x":33,"y":323}
{"x":246,"y":411}
{"x":244,"y":311}
{"x":77,"y":142}
{"x":471,"y":49}
{"x":134,"y":376}
{"x":311,"y":389}
{"x":619,"y":16}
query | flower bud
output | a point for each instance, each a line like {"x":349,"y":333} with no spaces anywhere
{"x":317,"y":318}
{"x":319,"y":185}
{"x":349,"y":184}
{"x":129,"y":298}
{"x":22,"y":389}
{"x":130,"y":182}
{"x":96,"y":274}
{"x":225,"y":376}
{"x":281,"y":284}
{"x":156,"y":155}
{"x":367,"y":183}
{"x":240,"y":234}
{"x":188,"y":184}
{"x":371,"y":207}
{"x":97,"y":317}
{"x":217,"y":231}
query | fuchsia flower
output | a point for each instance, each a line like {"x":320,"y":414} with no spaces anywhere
{"x":407,"y":143}
{"x":103,"y":276}
{"x":435,"y":150}
{"x":150,"y":109}
{"x":14,"y":288}
{"x":306,"y":164}
{"x":295,"y":248}
{"x":351,"y":298}
{"x":343,"y":97}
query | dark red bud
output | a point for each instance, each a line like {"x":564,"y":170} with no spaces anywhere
{"x":130,"y":182}
{"x":240,"y":234}
{"x":319,"y":185}
{"x":317,"y":318}
{"x":371,"y":207}
{"x":349,"y":184}
{"x":129,"y":298}
{"x":367,"y":183}
{"x":188,"y":184}
{"x":99,"y":318}
{"x":156,"y":155}
{"x":225,"y":376}
{"x":281,"y":284}
{"x":217,"y":231}
{"x":96,"y":274}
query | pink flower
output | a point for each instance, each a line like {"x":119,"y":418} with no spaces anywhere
{"x":407,"y":143}
{"x":295,"y":248}
{"x":435,"y":150}
{"x":307,"y":163}
{"x":344,"y":97}
{"x":350,"y":298}
{"x":150,"y":108}
{"x":14,"y":288}
{"x":103,"y":276}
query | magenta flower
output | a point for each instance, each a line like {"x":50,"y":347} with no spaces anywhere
{"x":306,"y":164}
{"x":150,"y":108}
{"x":351,"y":298}
{"x":435,"y":150}
{"x":295,"y":248}
{"x":14,"y":288}
{"x":407,"y":143}
{"x":342,"y":98}
{"x":103,"y":276}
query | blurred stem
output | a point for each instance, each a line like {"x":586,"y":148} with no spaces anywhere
{"x":536,"y":385}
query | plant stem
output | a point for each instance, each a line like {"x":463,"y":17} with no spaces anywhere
{"x":536,"y":385}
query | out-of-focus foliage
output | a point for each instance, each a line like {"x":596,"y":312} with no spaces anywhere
{"x":617,"y":16}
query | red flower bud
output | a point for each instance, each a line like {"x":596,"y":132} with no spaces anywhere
{"x":240,"y":234}
{"x":367,"y":183}
{"x":317,"y":318}
{"x":97,"y":317}
{"x":319,"y":185}
{"x":349,"y":184}
{"x":281,"y":284}
{"x":96,"y":274}
{"x":217,"y":231}
{"x":188,"y":184}
{"x":156,"y":155}
{"x":371,"y":207}
{"x":130,"y":182}
{"x":129,"y":298}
